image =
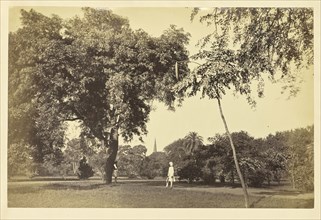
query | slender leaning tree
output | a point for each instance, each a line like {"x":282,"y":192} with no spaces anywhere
{"x":248,"y":45}
{"x":95,"y":70}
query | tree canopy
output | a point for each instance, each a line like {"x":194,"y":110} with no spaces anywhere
{"x":251,"y":44}
{"x":94,"y":69}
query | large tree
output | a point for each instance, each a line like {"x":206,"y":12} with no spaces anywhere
{"x":247,"y":45}
{"x":94,"y":69}
{"x":130,"y":159}
{"x":31,"y":124}
{"x":154,"y":165}
{"x":300,"y":158}
{"x":274,"y":155}
{"x":176,"y":152}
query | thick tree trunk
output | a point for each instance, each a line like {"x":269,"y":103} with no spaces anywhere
{"x":111,"y":155}
{"x":246,"y":196}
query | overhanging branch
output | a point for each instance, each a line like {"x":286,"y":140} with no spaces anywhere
{"x":73,"y":119}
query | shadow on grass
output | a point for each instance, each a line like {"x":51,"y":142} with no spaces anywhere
{"x":201,"y":184}
{"x":45,"y":179}
{"x":279,"y":192}
{"x":23,"y":190}
{"x":253,"y":205}
{"x":279,"y":187}
{"x":62,"y":186}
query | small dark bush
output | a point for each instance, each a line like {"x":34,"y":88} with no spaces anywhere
{"x":84,"y":171}
{"x":150,"y":174}
{"x":132,"y":176}
{"x":208,"y":175}
{"x":222,"y":178}
{"x":257,"y":178}
{"x":190,"y":172}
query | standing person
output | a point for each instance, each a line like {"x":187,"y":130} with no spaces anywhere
{"x":170,"y":175}
{"x":115,"y":173}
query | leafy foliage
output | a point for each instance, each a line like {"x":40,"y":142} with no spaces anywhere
{"x":155,"y":165}
{"x":190,"y":171}
{"x":247,"y":43}
{"x":30,"y":123}
{"x":130,"y":160}
{"x":192,"y":142}
{"x":274,"y":155}
{"x":176,"y":152}
{"x":277,"y":157}
{"x":73,"y":152}
{"x":180,"y":149}
{"x":84,"y":170}
{"x":91,"y":148}
{"x":94,"y":69}
{"x":300,"y":163}
{"x":19,"y":160}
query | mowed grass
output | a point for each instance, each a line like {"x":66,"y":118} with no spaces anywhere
{"x":135,"y":194}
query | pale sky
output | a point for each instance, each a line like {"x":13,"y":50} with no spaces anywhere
{"x":273,"y":113}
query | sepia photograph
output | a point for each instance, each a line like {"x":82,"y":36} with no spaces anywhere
{"x":176,"y":109}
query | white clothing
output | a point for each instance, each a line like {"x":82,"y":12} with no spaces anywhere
{"x":170,"y":172}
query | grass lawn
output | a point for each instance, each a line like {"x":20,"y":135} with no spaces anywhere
{"x":144,"y":194}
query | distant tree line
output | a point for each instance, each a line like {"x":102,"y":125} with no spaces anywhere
{"x":286,"y":155}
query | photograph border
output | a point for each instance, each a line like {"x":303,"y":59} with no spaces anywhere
{"x":153,"y":213}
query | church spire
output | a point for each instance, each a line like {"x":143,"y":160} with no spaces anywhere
{"x":155,"y":147}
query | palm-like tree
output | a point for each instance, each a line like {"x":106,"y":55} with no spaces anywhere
{"x":192,"y":141}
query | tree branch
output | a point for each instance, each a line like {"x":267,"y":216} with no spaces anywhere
{"x":73,"y":119}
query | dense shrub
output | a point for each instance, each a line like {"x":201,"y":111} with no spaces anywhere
{"x":257,"y":178}
{"x":300,"y":164}
{"x":154,"y":165}
{"x":304,"y":179}
{"x":208,"y":175}
{"x":149,"y":173}
{"x":190,"y":171}
{"x":84,"y":171}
